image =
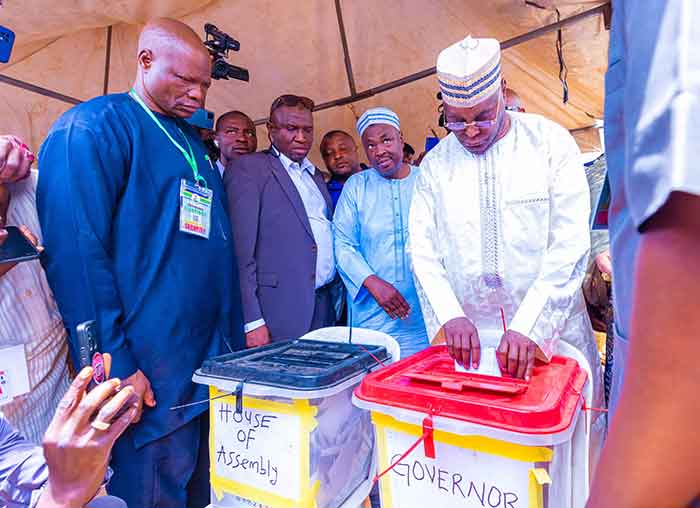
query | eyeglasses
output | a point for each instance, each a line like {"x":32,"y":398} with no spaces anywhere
{"x":291,"y":101}
{"x":479,"y":124}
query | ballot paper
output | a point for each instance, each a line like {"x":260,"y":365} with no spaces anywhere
{"x":488,"y":363}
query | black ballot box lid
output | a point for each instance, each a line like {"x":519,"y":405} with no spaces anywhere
{"x":297,"y":364}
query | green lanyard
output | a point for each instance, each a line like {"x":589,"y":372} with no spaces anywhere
{"x":189,"y":157}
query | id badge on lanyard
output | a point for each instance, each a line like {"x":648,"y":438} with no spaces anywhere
{"x":195,"y":209}
{"x":195,"y":197}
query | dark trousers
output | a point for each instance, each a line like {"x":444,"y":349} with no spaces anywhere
{"x":171,"y":472}
{"x":324,"y":310}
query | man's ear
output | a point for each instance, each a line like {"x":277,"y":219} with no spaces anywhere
{"x":145,"y":59}
{"x":269,"y":131}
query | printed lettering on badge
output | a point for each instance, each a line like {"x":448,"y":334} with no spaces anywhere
{"x":195,"y":209}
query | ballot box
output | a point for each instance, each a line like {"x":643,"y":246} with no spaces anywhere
{"x":473,"y":440}
{"x":283,"y":430}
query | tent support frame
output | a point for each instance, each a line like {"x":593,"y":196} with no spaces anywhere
{"x":520,"y":39}
{"x":603,"y":9}
{"x":346,"y":50}
{"x":108,"y":56}
{"x":38,"y":89}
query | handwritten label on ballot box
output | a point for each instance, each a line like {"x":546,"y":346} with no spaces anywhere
{"x":457,"y":477}
{"x":262,"y":452}
{"x":257,"y":448}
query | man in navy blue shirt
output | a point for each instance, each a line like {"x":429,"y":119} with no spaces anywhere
{"x":339,"y":152}
{"x":138,"y":239}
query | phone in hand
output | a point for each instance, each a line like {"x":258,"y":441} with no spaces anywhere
{"x":16,"y":247}
{"x":7,"y":40}
{"x":90,"y":356}
{"x":88,"y":350}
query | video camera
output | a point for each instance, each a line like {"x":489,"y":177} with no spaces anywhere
{"x":219,"y":44}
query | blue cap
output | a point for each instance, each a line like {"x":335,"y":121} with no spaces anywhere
{"x":202,"y":118}
{"x":377,"y":116}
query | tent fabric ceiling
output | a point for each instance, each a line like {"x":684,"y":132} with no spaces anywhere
{"x":295,"y":47}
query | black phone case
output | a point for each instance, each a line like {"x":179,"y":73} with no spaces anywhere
{"x":87,"y":342}
{"x":16,"y":247}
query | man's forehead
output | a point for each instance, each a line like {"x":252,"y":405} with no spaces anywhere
{"x":294,"y":115}
{"x":341,"y":138}
{"x":237,"y":120}
{"x":472,"y":110}
{"x":378,"y":130}
{"x":185,"y":54}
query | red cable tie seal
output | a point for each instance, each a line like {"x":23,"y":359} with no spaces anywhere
{"x":585,"y":407}
{"x":428,"y":437}
{"x":428,"y":446}
{"x":379,"y":362}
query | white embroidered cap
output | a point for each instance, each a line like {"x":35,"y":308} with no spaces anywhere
{"x":469,"y":71}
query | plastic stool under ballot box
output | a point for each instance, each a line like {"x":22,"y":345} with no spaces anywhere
{"x":478,"y":441}
{"x":293,"y":439}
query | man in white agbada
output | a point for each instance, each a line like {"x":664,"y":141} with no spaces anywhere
{"x":499,"y":219}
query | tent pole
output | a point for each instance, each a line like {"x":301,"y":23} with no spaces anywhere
{"x":346,"y":51}
{"x":38,"y":89}
{"x":108,"y":54}
{"x":520,"y":39}
{"x":354,"y":97}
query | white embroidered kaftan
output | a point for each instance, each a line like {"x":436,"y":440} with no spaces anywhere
{"x":506,"y":228}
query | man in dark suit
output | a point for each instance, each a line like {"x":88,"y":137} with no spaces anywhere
{"x":281,"y":216}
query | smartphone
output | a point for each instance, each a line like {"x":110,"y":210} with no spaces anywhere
{"x":90,"y":356}
{"x":16,"y":247}
{"x":89,"y":352}
{"x":7,"y":40}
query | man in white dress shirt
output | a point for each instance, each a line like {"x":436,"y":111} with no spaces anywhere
{"x":281,"y":213}
{"x":499,"y":225}
{"x":29,"y":317}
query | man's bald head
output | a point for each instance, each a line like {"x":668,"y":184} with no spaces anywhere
{"x":174,"y":68}
{"x":164,"y":33}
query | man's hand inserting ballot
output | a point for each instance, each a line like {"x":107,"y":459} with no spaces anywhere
{"x":463,"y":343}
{"x":516,"y":355}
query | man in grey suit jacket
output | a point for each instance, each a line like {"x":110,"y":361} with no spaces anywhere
{"x":281,"y":216}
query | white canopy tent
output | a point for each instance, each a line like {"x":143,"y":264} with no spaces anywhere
{"x":347,"y":55}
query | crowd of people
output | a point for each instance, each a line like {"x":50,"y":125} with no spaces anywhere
{"x":482,"y":243}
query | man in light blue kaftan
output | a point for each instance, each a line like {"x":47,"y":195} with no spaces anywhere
{"x":371,"y":235}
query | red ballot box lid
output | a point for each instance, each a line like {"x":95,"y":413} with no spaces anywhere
{"x":428,"y":383}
